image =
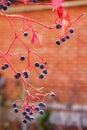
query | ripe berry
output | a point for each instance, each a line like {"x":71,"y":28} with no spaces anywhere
{"x":41,"y":76}
{"x":45,"y":71}
{"x":24,"y":121}
{"x":37,"y":64}
{"x":25,"y":73}
{"x":25,"y":34}
{"x":4,"y":8}
{"x":37,"y":108}
{"x":16,"y":110}
{"x":27,"y":117}
{"x":27,"y":109}
{"x":42,"y":112}
{"x":71,"y":30}
{"x":63,"y":39}
{"x":22,"y":58}
{"x":41,"y":66}
{"x":17,"y":75}
{"x":58,"y":26}
{"x":58,"y":42}
{"x":14,"y":105}
{"x":67,"y":36}
{"x":8,"y":3}
{"x":41,"y":104}
{"x":6,"y":65}
{"x":52,"y":94}
{"x":24,"y":113}
{"x":34,"y":1}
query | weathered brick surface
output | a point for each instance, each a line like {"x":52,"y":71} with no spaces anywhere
{"x":67,"y":64}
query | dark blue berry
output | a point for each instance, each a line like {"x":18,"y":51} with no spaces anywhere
{"x":34,"y":1}
{"x":42,"y":112}
{"x":41,"y":76}
{"x":63,"y":39}
{"x":25,"y":74}
{"x":17,"y":75}
{"x":27,"y":117}
{"x":71,"y":30}
{"x":14,"y":105}
{"x":6,"y":65}
{"x":37,"y":108}
{"x":52,"y":94}
{"x":37,"y":64}
{"x":5,"y":8}
{"x":41,"y":104}
{"x":58,"y":42}
{"x":24,"y":113}
{"x":24,"y":121}
{"x":27,"y":109}
{"x":22,"y":58}
{"x":25,"y":34}
{"x":45,"y":71}
{"x":67,"y":36}
{"x":8,"y":3}
{"x":16,"y":110}
{"x":58,"y":26}
{"x":41,"y":66}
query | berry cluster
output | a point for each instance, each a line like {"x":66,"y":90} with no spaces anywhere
{"x":4,"y":4}
{"x":29,"y":110}
{"x":65,"y":36}
{"x":42,"y":67}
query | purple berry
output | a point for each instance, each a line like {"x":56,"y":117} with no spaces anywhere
{"x":25,"y":73}
{"x":58,"y":26}
{"x":41,"y":76}
{"x":34,"y":1}
{"x":8,"y":3}
{"x":42,"y":112}
{"x":41,"y":66}
{"x":52,"y":94}
{"x":14,"y":105}
{"x":25,"y":121}
{"x":58,"y":42}
{"x":27,"y":109}
{"x":37,"y":108}
{"x":63,"y":39}
{"x":24,"y":113}
{"x":67,"y":36}
{"x":22,"y":58}
{"x":37,"y":64}
{"x":41,"y":104}
{"x":6,"y":65}
{"x":25,"y":34}
{"x":45,"y":71}
{"x":71,"y":30}
{"x":27,"y":117}
{"x":16,"y":110}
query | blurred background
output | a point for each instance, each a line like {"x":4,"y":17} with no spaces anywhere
{"x":67,"y":65}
